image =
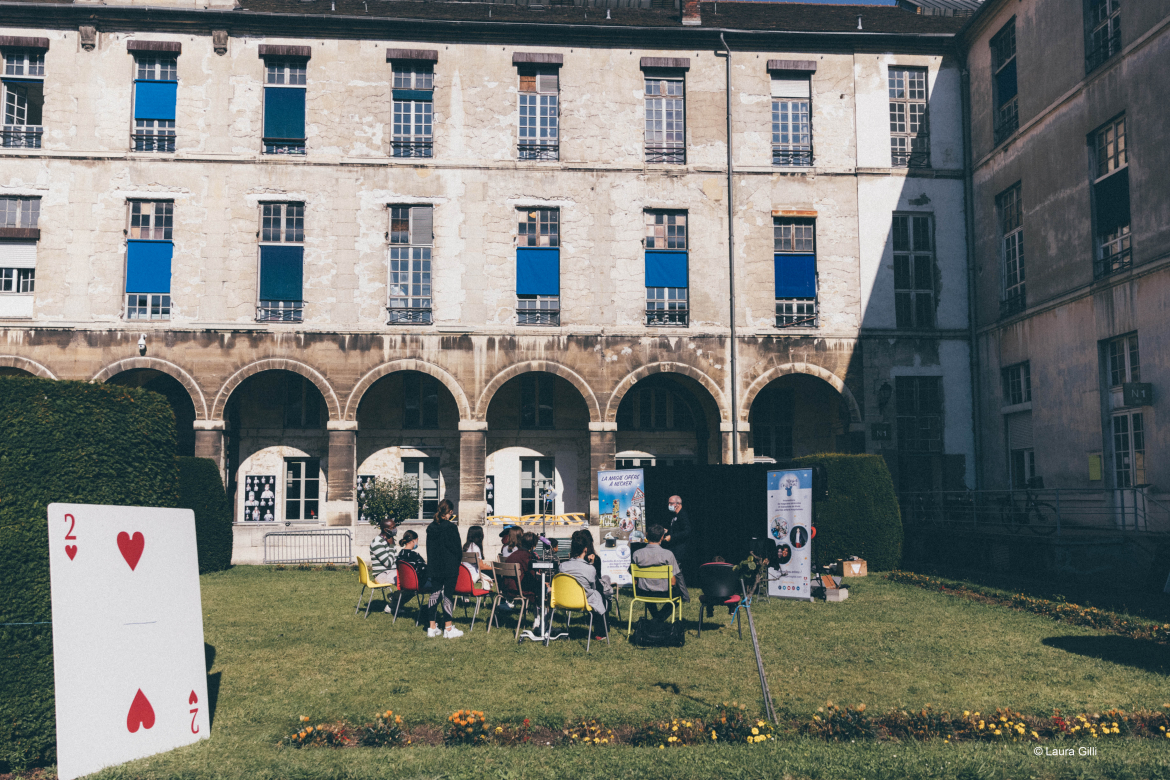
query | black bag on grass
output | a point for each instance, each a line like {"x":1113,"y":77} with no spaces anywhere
{"x":658,"y":633}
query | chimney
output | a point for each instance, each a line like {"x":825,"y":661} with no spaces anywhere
{"x":690,"y":14}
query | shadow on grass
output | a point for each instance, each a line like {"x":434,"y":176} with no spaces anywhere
{"x":1138,"y":653}
{"x":212,"y":684}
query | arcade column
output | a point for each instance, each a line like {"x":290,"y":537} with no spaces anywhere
{"x":602,"y":449}
{"x":472,"y":460}
{"x":342,"y":463}
{"x":209,"y":442}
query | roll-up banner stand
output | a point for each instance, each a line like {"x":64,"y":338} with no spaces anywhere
{"x":790,"y":501}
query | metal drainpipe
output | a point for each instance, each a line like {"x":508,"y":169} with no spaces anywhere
{"x":731,"y":268}
{"x":969,"y":218}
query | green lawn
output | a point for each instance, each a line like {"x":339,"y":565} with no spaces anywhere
{"x":287,"y":644}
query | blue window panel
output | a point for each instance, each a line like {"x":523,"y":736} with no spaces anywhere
{"x":666,"y":269}
{"x":148,"y":266}
{"x":155,"y":99}
{"x":413,"y":94}
{"x":284,"y":113}
{"x":796,"y":276}
{"x":282,"y":273}
{"x":538,"y":271}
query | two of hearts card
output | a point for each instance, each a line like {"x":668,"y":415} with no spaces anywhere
{"x":128,"y":654}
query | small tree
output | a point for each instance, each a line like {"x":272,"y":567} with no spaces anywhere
{"x":395,"y":499}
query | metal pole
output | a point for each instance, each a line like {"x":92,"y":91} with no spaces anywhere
{"x":731,"y":277}
{"x":768,"y":708}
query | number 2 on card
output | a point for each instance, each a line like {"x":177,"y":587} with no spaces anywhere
{"x":72,"y":523}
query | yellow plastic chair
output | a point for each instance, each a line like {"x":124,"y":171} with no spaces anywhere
{"x":663,"y":572}
{"x":368,"y":582}
{"x":567,"y":594}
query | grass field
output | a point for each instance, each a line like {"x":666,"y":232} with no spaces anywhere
{"x":287,"y":644}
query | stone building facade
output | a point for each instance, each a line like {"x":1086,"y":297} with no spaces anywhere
{"x":479,"y":242}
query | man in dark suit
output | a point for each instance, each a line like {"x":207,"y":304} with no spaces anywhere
{"x":678,"y":532}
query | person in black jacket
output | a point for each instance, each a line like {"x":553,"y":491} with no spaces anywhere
{"x":444,"y":557}
{"x":678,"y":531}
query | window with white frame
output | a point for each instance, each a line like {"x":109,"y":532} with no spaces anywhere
{"x":1003,"y":82}
{"x":155,"y":90}
{"x":1102,"y":31}
{"x":285,"y":83}
{"x":302,"y":488}
{"x":1128,"y":425}
{"x":1011,"y":218}
{"x":411,"y":239}
{"x":1124,"y":360}
{"x":537,"y":482}
{"x":1017,"y":384}
{"x":282,"y":251}
{"x":425,"y":474}
{"x":539,"y":114}
{"x":795,"y":259}
{"x":909,"y":126}
{"x":149,"y":250}
{"x":791,"y":126}
{"x":1113,"y":248}
{"x":538,"y":267}
{"x":18,"y":256}
{"x":24,"y":98}
{"x":665,"y":119}
{"x":914,"y":305}
{"x":20,"y":212}
{"x":414,"y":84}
{"x":667,"y":268}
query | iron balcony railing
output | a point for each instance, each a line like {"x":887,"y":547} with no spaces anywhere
{"x":917,"y":156}
{"x":284,"y":146}
{"x":22,"y":136}
{"x":1107,"y":47}
{"x":674,"y":154}
{"x":280,"y":311}
{"x":1013,"y":304}
{"x":667,"y":317}
{"x":404,"y":316}
{"x":153,"y":142}
{"x":1111,"y":264}
{"x":315,"y":546}
{"x":411,"y":148}
{"x":538,"y":317}
{"x":796,"y":313}
{"x":1007,"y":120}
{"x":788,"y":157}
{"x":539,"y":151}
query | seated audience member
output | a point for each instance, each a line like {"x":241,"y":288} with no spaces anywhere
{"x":408,"y":553}
{"x":474,"y":544}
{"x":529,"y":580}
{"x":384,"y":554}
{"x":654,"y":554}
{"x":593,"y":559}
{"x":510,"y":539}
{"x":583,"y":572}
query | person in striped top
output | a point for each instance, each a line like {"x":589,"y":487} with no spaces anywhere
{"x":384,"y":554}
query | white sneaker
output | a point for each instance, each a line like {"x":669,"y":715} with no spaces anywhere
{"x":536,"y":626}
{"x":452,"y":633}
{"x":387,"y":609}
{"x":432,"y":632}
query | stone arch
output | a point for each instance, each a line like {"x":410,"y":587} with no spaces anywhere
{"x":775,"y":372}
{"x":631,"y":379}
{"x":511,"y":372}
{"x":162,"y":366}
{"x":367,"y":381}
{"x":24,"y":364}
{"x":277,"y":364}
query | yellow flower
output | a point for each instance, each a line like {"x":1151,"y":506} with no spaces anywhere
{"x":304,"y":718}
{"x":965,"y":713}
{"x":997,"y":732}
{"x":755,"y":731}
{"x":675,"y":728}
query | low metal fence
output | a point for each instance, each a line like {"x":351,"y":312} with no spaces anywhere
{"x":316,"y":546}
{"x":1043,"y":512}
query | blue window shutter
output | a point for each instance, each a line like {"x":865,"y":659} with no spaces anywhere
{"x":155,"y":99}
{"x":148,"y":266}
{"x":1005,"y":83}
{"x":284,"y":113}
{"x":412,"y":94}
{"x":666,"y":269}
{"x":796,"y":276}
{"x":282,"y":273}
{"x":538,"y":271}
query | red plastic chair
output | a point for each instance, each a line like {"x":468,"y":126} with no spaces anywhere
{"x":408,"y":588}
{"x":718,"y":583}
{"x":465,"y":587}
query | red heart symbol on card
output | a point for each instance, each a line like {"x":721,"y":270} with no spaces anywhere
{"x":131,"y":547}
{"x":71,"y":550}
{"x":192,"y":699}
{"x":141,"y":713}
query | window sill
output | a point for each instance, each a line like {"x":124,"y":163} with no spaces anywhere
{"x":1026,"y":406}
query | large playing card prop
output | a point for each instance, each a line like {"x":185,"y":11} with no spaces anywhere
{"x":128,"y":656}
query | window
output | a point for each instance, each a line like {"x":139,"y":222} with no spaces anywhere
{"x":1003,"y":83}
{"x":24,"y":97}
{"x":791,"y":129}
{"x":1011,"y":216}
{"x":1023,"y":466}
{"x":537,"y":481}
{"x":18,"y":258}
{"x":1111,"y":200}
{"x":539,"y":115}
{"x":148,"y":260}
{"x":19,"y":212}
{"x":302,"y":402}
{"x":538,"y":267}
{"x":155,"y":92}
{"x":411,"y":237}
{"x":536,"y":400}
{"x":655,"y":409}
{"x":281,"y":287}
{"x":414,"y":84}
{"x":284,"y":106}
{"x":913,"y":271}
{"x":1103,"y":30}
{"x":919,"y":413}
{"x":302,"y":485}
{"x":420,"y":401}
{"x":17,"y":280}
{"x":1129,"y":449}
{"x":665,"y":120}
{"x":666,"y":268}
{"x":795,"y":259}
{"x":1124,"y":361}
{"x":909,"y":128}
{"x":426,"y":473}
{"x":1017,"y":384}
{"x":772,"y":420}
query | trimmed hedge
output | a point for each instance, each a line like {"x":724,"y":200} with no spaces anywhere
{"x":860,"y":516}
{"x":201,"y":489}
{"x":61,"y":442}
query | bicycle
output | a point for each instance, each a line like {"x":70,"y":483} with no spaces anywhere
{"x":1038,"y":516}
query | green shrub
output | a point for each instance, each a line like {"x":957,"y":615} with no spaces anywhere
{"x":201,"y":490}
{"x":391,"y":498}
{"x":861,"y":515}
{"x":61,"y":442}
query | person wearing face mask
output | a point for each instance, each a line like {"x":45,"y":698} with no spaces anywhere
{"x":678,"y":531}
